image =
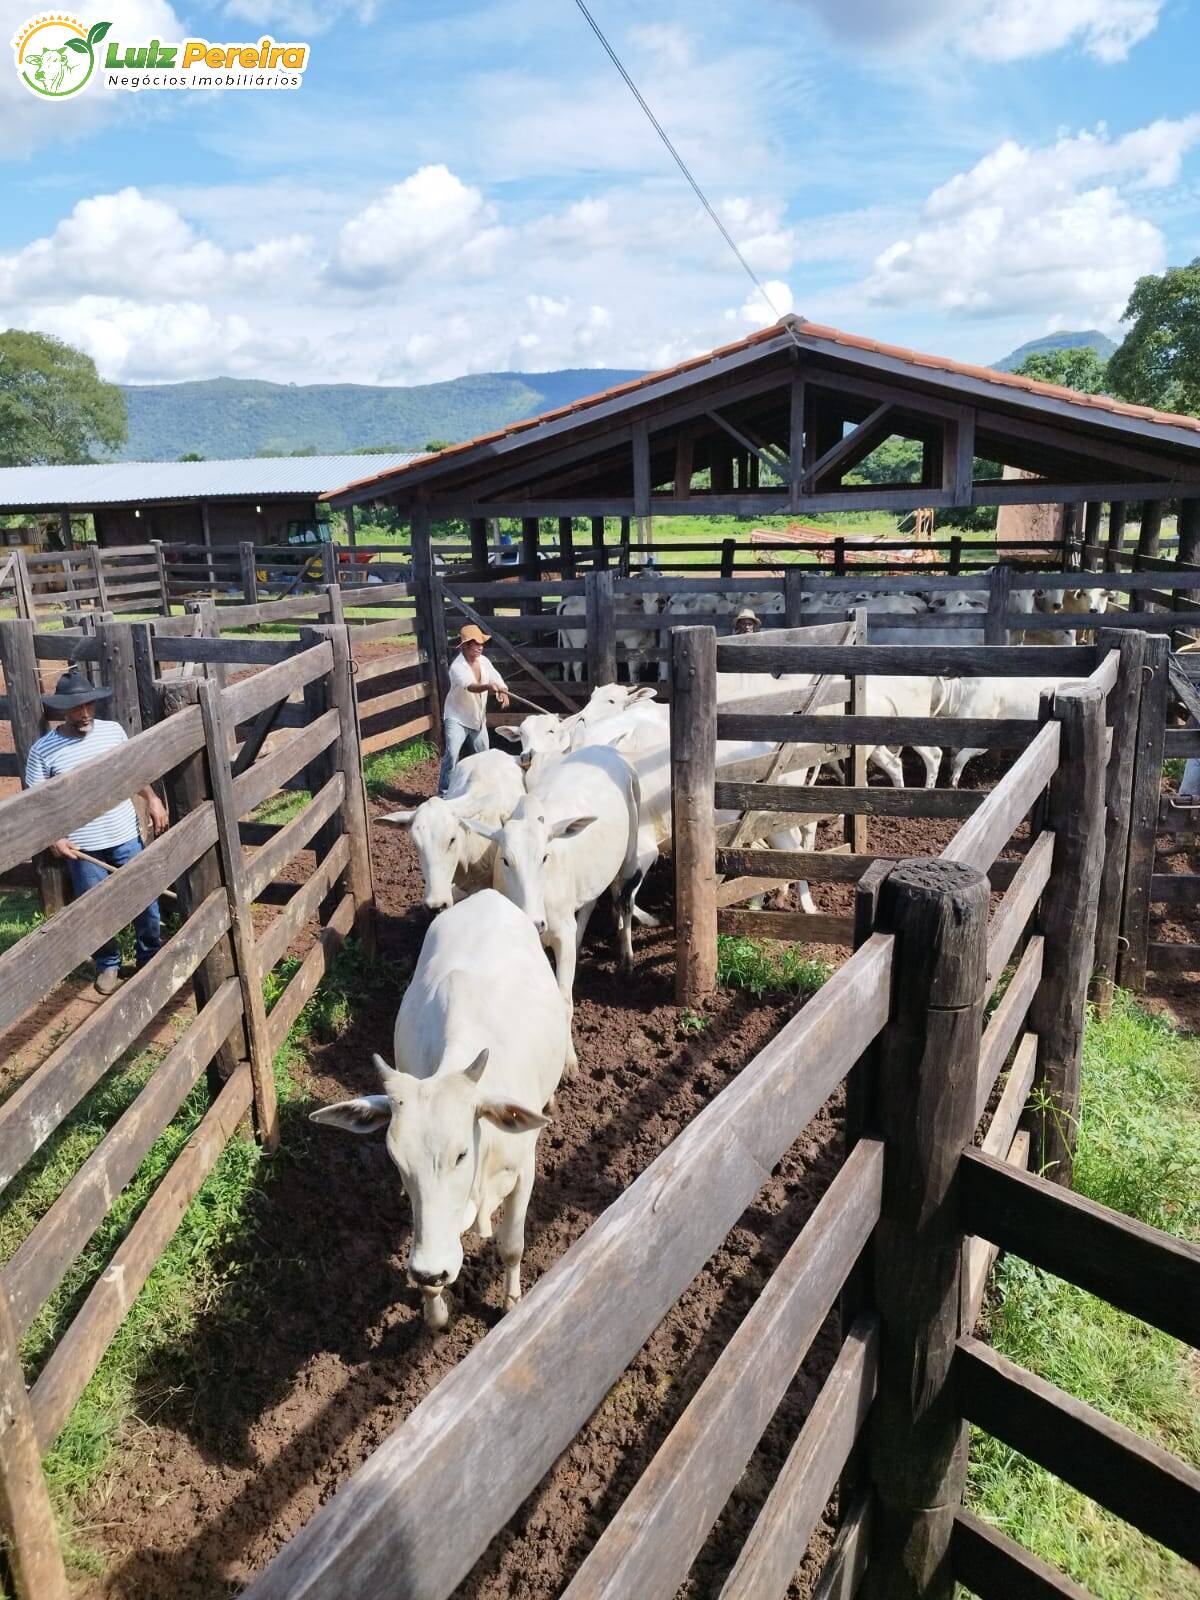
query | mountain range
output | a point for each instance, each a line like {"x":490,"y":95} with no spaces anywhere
{"x":223,"y":418}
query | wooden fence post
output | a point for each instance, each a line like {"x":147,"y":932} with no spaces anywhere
{"x":925,"y":1082}
{"x":1189,"y":532}
{"x":355,"y":814}
{"x":1091,"y":535}
{"x":1151,"y":528}
{"x":329,"y":563}
{"x":793,"y":594}
{"x":955,"y":553}
{"x":28,"y":1531}
{"x":479,"y":542}
{"x":728,"y":551}
{"x":118,"y":672}
{"x":995,"y":630}
{"x":97,"y":561}
{"x":599,"y":548}
{"x":1116,"y":535}
{"x":1143,"y":824}
{"x":218,"y":734}
{"x":600,"y":620}
{"x":855,"y":825}
{"x":164,"y":587}
{"x":427,"y":633}
{"x":693,"y":821}
{"x":566,"y":547}
{"x":23,"y":686}
{"x":187,"y":788}
{"x":249,"y":572}
{"x":1123,"y":702}
{"x":336,"y":612}
{"x":26,"y":605}
{"x":1067,"y":923}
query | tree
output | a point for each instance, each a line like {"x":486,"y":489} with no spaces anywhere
{"x":1159,"y":362}
{"x":191,"y":455}
{"x":54,"y":407}
{"x":1080,"y":369}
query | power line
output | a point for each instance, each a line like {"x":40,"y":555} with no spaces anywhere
{"x":677,"y":158}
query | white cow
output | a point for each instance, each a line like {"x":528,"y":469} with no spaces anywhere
{"x":993,"y":698}
{"x":630,"y":638}
{"x":463,"y":1106}
{"x":454,"y":860}
{"x":575,"y":835}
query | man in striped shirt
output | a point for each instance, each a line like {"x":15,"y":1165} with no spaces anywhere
{"x":113,"y":838}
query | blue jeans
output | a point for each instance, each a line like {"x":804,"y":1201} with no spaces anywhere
{"x":85,"y":876}
{"x":455,"y":735}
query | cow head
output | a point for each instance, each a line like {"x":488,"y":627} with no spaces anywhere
{"x":433,"y":1137}
{"x":440,"y":838}
{"x":1094,"y":601}
{"x":610,"y":699}
{"x":523,"y":847}
{"x":543,"y":734}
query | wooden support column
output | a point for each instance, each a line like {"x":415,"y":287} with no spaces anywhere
{"x":926,"y":1068}
{"x":1091,"y":535}
{"x":641,"y":469}
{"x":995,"y":629}
{"x":728,"y":551}
{"x":118,"y":672}
{"x":164,"y":587}
{"x":28,"y":1530}
{"x":856,"y":826}
{"x":351,"y":527}
{"x":599,"y":548}
{"x":531,"y":565}
{"x":793,"y":592}
{"x":142,"y":643}
{"x":355,"y":812}
{"x":623,"y":558}
{"x":428,"y":634}
{"x":478,"y":531}
{"x":601,"y":622}
{"x":693,"y":820}
{"x":98,"y":578}
{"x":27,"y":718}
{"x":1067,"y":923}
{"x":1116,"y":535}
{"x":1143,"y":825}
{"x":249,"y":568}
{"x":206,"y":530}
{"x":1070,"y":523}
{"x":566,"y":547}
{"x":796,"y":456}
{"x":188,"y":788}
{"x":329,"y":563}
{"x":64,"y":528}
{"x":1123,"y":703}
{"x":1151,"y":529}
{"x":955,"y":563}
{"x":685,"y":443}
{"x":218,"y":732}
{"x":1189,"y":532}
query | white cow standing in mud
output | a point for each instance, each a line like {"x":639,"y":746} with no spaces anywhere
{"x":463,"y":1107}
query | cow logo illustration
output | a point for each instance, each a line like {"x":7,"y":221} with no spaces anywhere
{"x":56,"y":55}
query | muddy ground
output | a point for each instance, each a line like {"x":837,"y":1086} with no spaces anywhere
{"x":258,"y":1421}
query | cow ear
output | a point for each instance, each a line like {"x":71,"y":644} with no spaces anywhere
{"x":646,"y":692}
{"x":509,"y":730}
{"x":475,"y":1070}
{"x":510,"y":1116}
{"x":485,"y":830}
{"x":366,"y":1114}
{"x":569,"y":828}
{"x":399,"y":819}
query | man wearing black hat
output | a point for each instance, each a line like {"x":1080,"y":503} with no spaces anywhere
{"x":113,"y":838}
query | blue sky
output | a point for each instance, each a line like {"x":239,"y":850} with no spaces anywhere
{"x":469,"y":187}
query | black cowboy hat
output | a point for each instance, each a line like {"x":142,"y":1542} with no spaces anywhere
{"x":74,"y":688}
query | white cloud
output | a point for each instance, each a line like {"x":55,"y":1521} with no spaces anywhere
{"x":992,"y":30}
{"x":665,"y":43}
{"x":1051,"y":231}
{"x":29,"y":122}
{"x":431,"y":216}
{"x":754,"y":312}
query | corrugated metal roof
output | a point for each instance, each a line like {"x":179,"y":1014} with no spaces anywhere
{"x":120,"y":482}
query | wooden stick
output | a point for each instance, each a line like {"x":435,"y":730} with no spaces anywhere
{"x":104,"y":866}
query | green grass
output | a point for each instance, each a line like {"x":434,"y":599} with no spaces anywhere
{"x":1139,"y":1152}
{"x":199,"y":1273}
{"x":382,"y":769}
{"x":766,"y":967}
{"x":19,"y":914}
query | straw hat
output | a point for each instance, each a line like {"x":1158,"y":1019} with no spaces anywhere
{"x":473,"y":635}
{"x":746,"y":616}
{"x":73,"y":689}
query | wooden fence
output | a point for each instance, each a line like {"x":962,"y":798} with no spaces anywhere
{"x":905,"y":1235}
{"x":204,"y":753}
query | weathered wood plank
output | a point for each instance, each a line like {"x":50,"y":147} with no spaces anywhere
{"x":249,"y":696}
{"x":979,"y":1255}
{"x":1173,"y":957}
{"x":283,"y":844}
{"x":400,"y":666}
{"x":797,"y":927}
{"x":1007,"y":1020}
{"x":45,"y":1255}
{"x":994,"y":1567}
{"x":1007,"y":1115}
{"x":1132,"y":1478}
{"x":304,"y":904}
{"x":843,"y":1572}
{"x":963,"y":661}
{"x":1149,"y":1274}
{"x":951,"y":733}
{"x":28,"y":1527}
{"x":36,"y":1107}
{"x":818,"y":866}
{"x":31,"y":968}
{"x":272,"y":771}
{"x":1144,"y":813}
{"x":779,"y":1538}
{"x":1013,"y":913}
{"x":651,"y":1542}
{"x":574,"y":1332}
{"x":979,"y":841}
{"x":66,"y":1374}
{"x":1123,"y":704}
{"x":693,"y":768}
{"x":230,"y":652}
{"x":829,"y":798}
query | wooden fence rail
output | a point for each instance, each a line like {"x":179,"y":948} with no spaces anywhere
{"x":194,"y":749}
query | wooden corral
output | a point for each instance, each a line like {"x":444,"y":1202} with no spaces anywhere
{"x":204,"y":746}
{"x":905,"y":1236}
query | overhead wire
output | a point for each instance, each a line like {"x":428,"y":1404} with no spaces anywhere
{"x":678,"y":159}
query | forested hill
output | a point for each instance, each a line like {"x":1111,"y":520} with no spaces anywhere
{"x":1091,"y":337}
{"x":231,"y":417}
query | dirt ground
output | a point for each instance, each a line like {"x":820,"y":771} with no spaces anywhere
{"x":259,"y":1420}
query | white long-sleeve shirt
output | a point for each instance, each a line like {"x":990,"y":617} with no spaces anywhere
{"x":465,"y":707}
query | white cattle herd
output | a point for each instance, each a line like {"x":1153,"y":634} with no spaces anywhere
{"x":514,"y":860}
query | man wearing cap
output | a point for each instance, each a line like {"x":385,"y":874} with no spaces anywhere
{"x":464,"y":716}
{"x":113,"y":837}
{"x":746,"y":622}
